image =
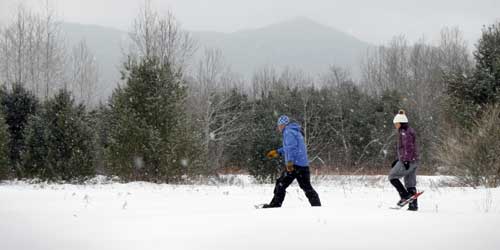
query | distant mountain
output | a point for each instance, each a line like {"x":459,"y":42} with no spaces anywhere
{"x":300,"y":43}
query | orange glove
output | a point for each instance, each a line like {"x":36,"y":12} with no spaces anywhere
{"x":272,"y":154}
{"x":290,"y":167}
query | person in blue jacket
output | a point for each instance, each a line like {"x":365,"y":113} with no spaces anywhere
{"x":297,"y":165}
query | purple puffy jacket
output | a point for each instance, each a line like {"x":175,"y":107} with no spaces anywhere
{"x":407,"y":146}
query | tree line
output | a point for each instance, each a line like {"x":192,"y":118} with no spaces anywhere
{"x":171,"y":119}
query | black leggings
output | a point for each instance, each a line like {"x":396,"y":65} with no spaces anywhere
{"x":303,"y":177}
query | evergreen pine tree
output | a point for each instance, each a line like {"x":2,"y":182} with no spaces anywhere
{"x":487,"y":74}
{"x":264,"y":138}
{"x":4,"y":149}
{"x":101,"y":125}
{"x":18,"y":105}
{"x":149,"y":136}
{"x":470,"y":92}
{"x":34,"y":156}
{"x":60,"y":144}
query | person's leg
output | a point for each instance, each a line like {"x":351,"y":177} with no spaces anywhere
{"x":280,"y":189}
{"x":395,"y":174}
{"x":411,"y":183}
{"x":414,"y":204}
{"x":304,"y":179}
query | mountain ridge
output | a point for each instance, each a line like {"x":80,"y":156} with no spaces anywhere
{"x":298,"y":42}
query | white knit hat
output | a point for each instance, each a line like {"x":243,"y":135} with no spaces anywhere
{"x":400,"y":117}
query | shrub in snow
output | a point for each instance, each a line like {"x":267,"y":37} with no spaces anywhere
{"x":472,"y":155}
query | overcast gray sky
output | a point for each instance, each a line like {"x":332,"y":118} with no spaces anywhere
{"x":374,"y":21}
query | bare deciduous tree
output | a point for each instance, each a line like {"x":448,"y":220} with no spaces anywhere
{"x":33,"y":52}
{"x":161,"y":36}
{"x":84,"y":74}
{"x":454,"y":54}
{"x":210,"y":103}
{"x":334,"y":77}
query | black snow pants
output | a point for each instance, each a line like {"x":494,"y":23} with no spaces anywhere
{"x":303,"y":177}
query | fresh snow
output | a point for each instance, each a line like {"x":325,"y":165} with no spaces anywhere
{"x":355,"y":215}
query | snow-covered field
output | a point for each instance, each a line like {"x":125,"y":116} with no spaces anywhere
{"x":355,"y":215}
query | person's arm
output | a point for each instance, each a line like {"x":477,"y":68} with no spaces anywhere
{"x":408,"y":141}
{"x":290,"y":146}
{"x":280,"y":151}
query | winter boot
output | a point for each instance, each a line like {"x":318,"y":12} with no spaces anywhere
{"x":271,"y":204}
{"x":413,"y":206}
{"x":403,"y":193}
{"x":267,"y":206}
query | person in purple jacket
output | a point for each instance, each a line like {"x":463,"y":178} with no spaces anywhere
{"x":407,"y":163}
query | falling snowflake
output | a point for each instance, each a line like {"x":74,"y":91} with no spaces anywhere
{"x":184,"y":162}
{"x":138,"y":162}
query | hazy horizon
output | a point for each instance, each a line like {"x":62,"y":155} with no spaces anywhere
{"x":374,"y":22}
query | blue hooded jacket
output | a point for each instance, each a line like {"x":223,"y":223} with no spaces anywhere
{"x":294,"y":148}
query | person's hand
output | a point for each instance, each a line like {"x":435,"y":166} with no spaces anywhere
{"x":407,"y":165}
{"x":290,"y":167}
{"x":272,"y":154}
{"x":394,"y":163}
